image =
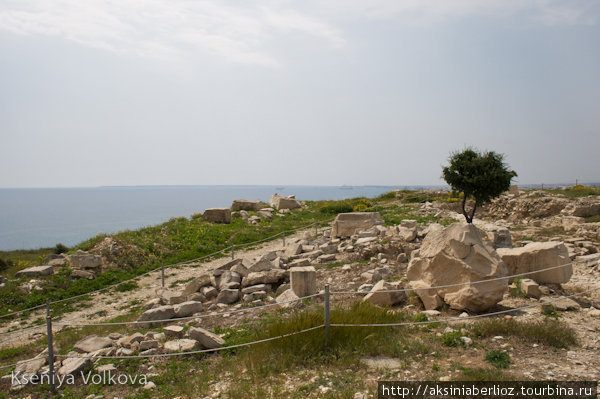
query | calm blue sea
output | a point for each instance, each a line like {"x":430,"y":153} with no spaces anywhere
{"x":35,"y":218}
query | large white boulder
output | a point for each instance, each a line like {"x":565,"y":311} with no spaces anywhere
{"x":217,"y":215}
{"x":74,"y":365}
{"x":85,"y":260}
{"x":246,"y":205}
{"x":380,"y":294}
{"x":161,"y":313}
{"x":539,"y":255}
{"x":180,"y":345}
{"x":272,"y":276}
{"x":35,"y":271}
{"x":458,"y":254}
{"x":195,"y":285}
{"x":280,"y":202}
{"x":187,"y":308}
{"x":346,"y":224}
{"x":92,"y":344}
{"x":206,"y":339}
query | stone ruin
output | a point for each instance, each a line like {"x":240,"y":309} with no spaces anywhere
{"x":457,"y":255}
{"x":438,"y":255}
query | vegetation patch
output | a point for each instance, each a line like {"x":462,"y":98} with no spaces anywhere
{"x":484,"y":374}
{"x":498,"y":359}
{"x":548,"y":332}
{"x":576,"y":191}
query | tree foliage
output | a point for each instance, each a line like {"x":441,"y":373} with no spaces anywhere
{"x":479,"y":176}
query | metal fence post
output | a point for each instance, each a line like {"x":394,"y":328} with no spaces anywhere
{"x":50,"y":347}
{"x":232,"y":252}
{"x":284,"y":238}
{"x":326,"y":315}
{"x":162,"y":274}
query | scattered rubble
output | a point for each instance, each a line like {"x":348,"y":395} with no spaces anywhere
{"x":457,"y":255}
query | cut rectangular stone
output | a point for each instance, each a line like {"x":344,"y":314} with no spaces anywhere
{"x":530,"y":288}
{"x":217,"y":215}
{"x":246,"y":205}
{"x":303,"y":280}
{"x":35,"y":271}
{"x":346,"y":224}
{"x":258,"y":287}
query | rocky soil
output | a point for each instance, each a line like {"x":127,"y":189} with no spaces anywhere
{"x":373,"y":258}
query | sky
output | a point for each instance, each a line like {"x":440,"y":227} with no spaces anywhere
{"x":311,"y":92}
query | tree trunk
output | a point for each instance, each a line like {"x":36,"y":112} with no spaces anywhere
{"x":464,"y":211}
{"x":473,"y":211}
{"x":468,"y":218}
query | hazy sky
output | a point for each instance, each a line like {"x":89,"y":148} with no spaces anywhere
{"x":317,"y":92}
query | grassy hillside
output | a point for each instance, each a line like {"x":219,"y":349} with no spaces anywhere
{"x":182,"y":239}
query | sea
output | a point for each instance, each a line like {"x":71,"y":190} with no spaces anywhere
{"x":33,"y":218}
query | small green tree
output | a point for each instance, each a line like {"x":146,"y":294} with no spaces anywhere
{"x":477,"y":176}
{"x":60,"y":249}
{"x":3,"y":265}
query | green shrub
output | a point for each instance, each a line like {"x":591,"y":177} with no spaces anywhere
{"x":550,"y":311}
{"x":483,"y":374}
{"x":344,"y":342}
{"x":517,"y":292}
{"x":60,"y":249}
{"x":338,"y":207}
{"x":390,"y":195}
{"x":3,"y":265}
{"x":452,"y":339}
{"x":420,"y":317}
{"x":498,"y":359}
{"x":547,"y":332}
{"x":128,"y":286}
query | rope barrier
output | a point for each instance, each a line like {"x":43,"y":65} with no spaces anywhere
{"x":276,"y":304}
{"x":321,"y":326}
{"x":19,"y":362}
{"x":197,"y":351}
{"x":459,"y":284}
{"x":330,"y":325}
{"x":21,"y":330}
{"x":152,"y":271}
{"x":469,"y":317}
{"x":206,"y":315}
{"x":175,"y":353}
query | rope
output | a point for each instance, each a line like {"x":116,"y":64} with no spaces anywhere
{"x":320,"y":326}
{"x":21,"y":330}
{"x":198,"y":351}
{"x":465,"y":318}
{"x":67,"y":324}
{"x":176,"y":353}
{"x":459,"y":284}
{"x":154,"y":270}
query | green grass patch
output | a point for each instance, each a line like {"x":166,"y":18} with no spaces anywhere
{"x":128,"y":286}
{"x":498,"y":359}
{"x":484,"y":374}
{"x":345,"y":344}
{"x":452,"y":339}
{"x":577,"y":191}
{"x":517,"y":292}
{"x":550,"y":311}
{"x":547,"y":332}
{"x":592,"y":219}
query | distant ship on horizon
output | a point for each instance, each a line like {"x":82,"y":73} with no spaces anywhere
{"x":345,"y":187}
